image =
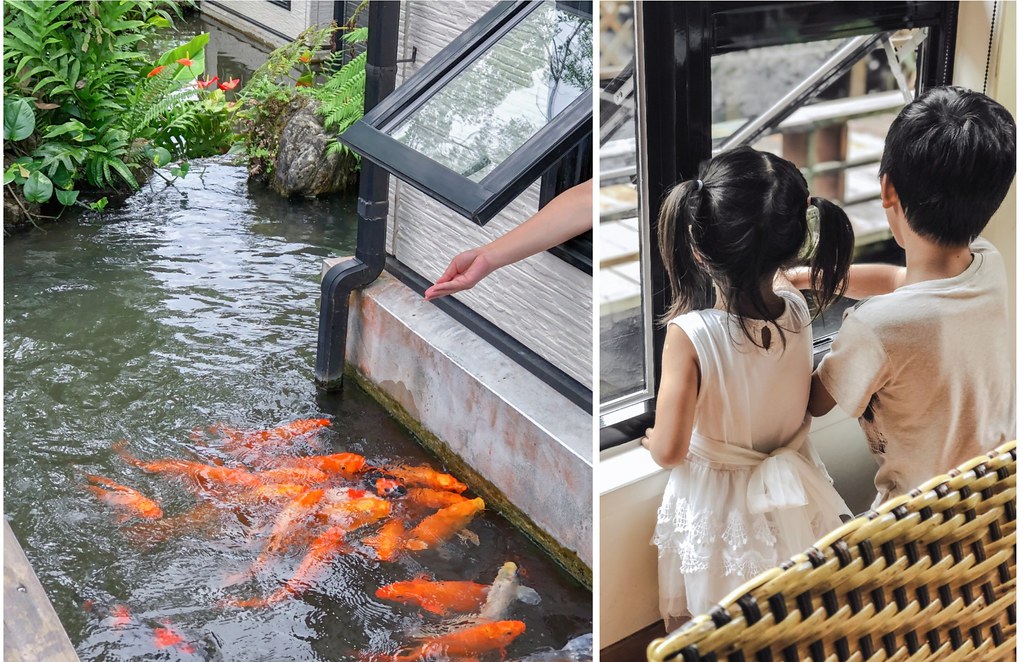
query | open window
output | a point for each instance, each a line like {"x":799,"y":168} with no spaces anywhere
{"x":817,"y":83}
{"x":492,"y":112}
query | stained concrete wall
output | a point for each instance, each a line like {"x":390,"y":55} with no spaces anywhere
{"x":515,"y":441}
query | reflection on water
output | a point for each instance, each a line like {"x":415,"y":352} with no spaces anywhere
{"x":191,"y":305}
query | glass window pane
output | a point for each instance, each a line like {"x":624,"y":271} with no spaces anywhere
{"x":623,"y":332}
{"x":836,"y":139}
{"x":501,"y":100}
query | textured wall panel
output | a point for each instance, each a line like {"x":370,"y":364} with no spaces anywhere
{"x":303,"y":14}
{"x":543,"y":302}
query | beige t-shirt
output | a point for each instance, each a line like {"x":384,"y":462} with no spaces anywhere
{"x":926,"y":369}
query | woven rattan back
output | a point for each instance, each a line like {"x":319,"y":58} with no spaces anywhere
{"x":930,"y":575}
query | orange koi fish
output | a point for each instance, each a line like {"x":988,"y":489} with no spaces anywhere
{"x":443,"y":524}
{"x":121,"y":616}
{"x":382,"y":482}
{"x":204,"y":475}
{"x":467,"y":642}
{"x":271,"y":493}
{"x":321,"y":551}
{"x":287,"y":522}
{"x":294,"y":475}
{"x":388,"y":541}
{"x":346,"y":465}
{"x":441,"y":598}
{"x":133,"y":502}
{"x":424,"y":476}
{"x":356,"y":510}
{"x":166,"y":637}
{"x":286,"y":432}
{"x":435,"y":499}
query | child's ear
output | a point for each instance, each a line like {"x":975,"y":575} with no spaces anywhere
{"x":889,"y":197}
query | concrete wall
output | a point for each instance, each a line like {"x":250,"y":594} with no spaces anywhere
{"x":302,"y":14}
{"x":517,"y":443}
{"x":543,"y":302}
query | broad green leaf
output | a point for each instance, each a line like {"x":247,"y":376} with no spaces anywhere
{"x":159,"y":21}
{"x":38,"y":188}
{"x":9,"y":175}
{"x":192,"y":50}
{"x":161,"y":156}
{"x":100,"y":204}
{"x":67,"y":198}
{"x":19,"y":119}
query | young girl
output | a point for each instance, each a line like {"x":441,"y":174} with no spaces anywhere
{"x":746,"y":491}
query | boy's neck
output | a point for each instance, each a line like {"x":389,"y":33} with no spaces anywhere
{"x":926,"y":260}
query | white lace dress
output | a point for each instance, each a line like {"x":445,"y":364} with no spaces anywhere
{"x":752,"y":492}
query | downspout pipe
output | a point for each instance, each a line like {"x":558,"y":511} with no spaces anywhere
{"x":343,"y":278}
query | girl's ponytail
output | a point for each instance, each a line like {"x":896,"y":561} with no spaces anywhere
{"x":829,"y":268}
{"x":675,"y":222}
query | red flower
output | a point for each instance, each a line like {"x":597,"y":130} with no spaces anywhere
{"x":203,"y":84}
{"x":306,"y":57}
{"x":229,"y":85}
{"x":155,"y":71}
{"x":184,"y":62}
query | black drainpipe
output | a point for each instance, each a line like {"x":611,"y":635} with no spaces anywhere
{"x":343,"y":278}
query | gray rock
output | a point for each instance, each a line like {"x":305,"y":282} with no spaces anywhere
{"x":302,"y":167}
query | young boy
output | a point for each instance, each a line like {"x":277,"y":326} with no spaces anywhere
{"x":924,"y":363}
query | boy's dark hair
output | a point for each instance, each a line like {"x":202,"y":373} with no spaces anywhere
{"x":951,"y":156}
{"x":744,"y":220}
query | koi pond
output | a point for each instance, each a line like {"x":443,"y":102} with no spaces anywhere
{"x":180,"y":329}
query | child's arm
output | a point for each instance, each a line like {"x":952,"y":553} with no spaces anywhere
{"x":668,"y":440}
{"x":865,"y":280}
{"x":566,"y":216}
{"x":821,"y":401}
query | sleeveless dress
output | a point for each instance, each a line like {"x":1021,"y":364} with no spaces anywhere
{"x":751,"y":492}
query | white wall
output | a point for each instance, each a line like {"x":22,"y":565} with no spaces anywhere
{"x":302,"y":14}
{"x":542,"y":301}
{"x":971,"y":57}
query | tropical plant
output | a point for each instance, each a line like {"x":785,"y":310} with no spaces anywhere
{"x":288,"y":76}
{"x":343,"y":96}
{"x":84,"y":109}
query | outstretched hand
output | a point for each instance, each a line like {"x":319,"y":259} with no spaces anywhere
{"x":464,"y":271}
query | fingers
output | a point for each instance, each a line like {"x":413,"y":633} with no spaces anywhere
{"x":456,"y":284}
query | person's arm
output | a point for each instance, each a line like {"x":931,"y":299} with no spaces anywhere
{"x":865,"y":280}
{"x":566,"y":216}
{"x":821,"y":401}
{"x":668,"y":440}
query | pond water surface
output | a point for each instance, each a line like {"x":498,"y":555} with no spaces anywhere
{"x":193,"y":305}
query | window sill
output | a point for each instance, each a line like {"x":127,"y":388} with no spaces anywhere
{"x":625,"y":465}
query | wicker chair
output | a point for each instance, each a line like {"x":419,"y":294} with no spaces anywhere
{"x":930,"y":575}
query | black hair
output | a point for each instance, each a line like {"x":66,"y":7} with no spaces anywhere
{"x":741,"y":219}
{"x":951,"y":156}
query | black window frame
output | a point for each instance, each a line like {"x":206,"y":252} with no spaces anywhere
{"x":677,"y":109}
{"x":477,"y":201}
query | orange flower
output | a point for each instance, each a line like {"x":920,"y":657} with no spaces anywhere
{"x":155,"y":71}
{"x":306,"y":57}
{"x":229,"y":85}
{"x":185,"y":62}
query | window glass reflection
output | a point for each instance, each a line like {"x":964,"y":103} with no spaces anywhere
{"x":623,"y":349}
{"x":491,"y":108}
